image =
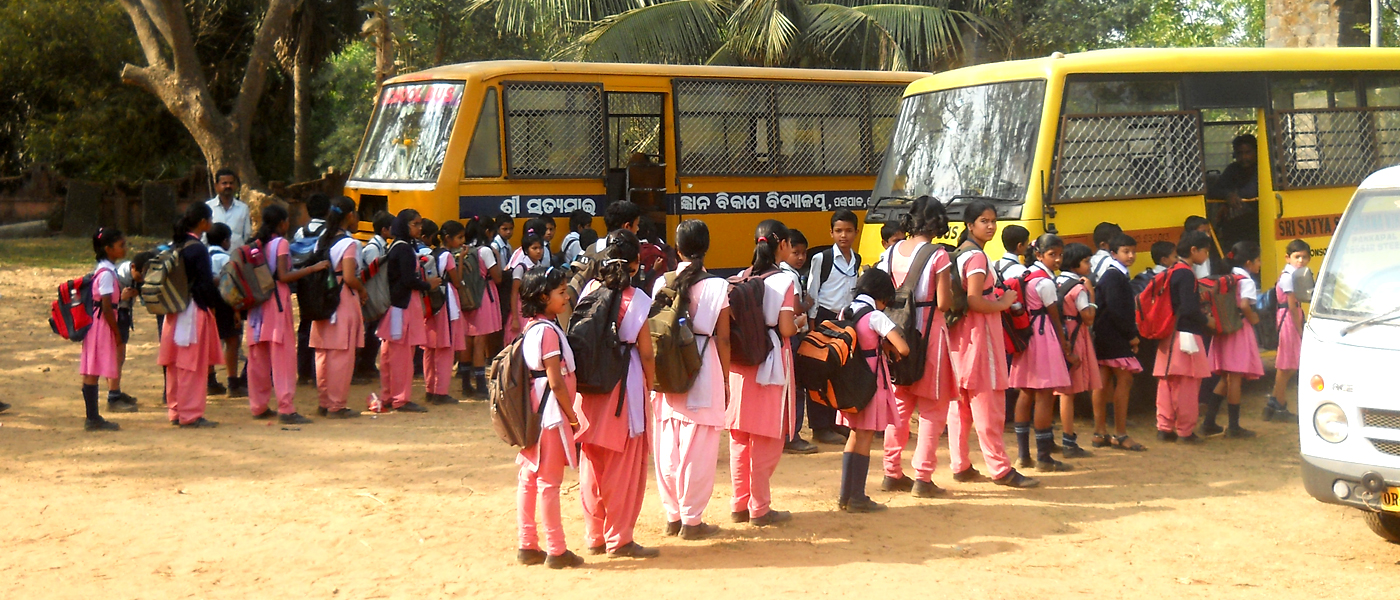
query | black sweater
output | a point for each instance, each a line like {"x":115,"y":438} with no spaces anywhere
{"x":1115,"y":324}
{"x":199,"y":272}
{"x":1186,"y":303}
{"x":403,"y":275}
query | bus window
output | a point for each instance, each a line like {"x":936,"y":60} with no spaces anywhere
{"x":484,"y":156}
{"x":1220,"y":127}
{"x":1323,"y":139}
{"x":554,"y":130}
{"x":1121,"y":96}
{"x":1296,"y":93}
{"x":634,"y":125}
{"x":722,"y":127}
{"x":408,"y":138}
{"x":819,"y":129}
{"x":971,"y":141}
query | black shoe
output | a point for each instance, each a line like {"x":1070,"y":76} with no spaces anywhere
{"x":828,"y":436}
{"x":634,"y":550}
{"x":1166,"y":436}
{"x":903,"y":484}
{"x":673,"y":528}
{"x":530,"y":557}
{"x":1209,"y":429}
{"x":1191,"y":440}
{"x":292,"y":419}
{"x":739,"y":516}
{"x":266,"y":414}
{"x":100,"y":425}
{"x":1051,"y":465}
{"x":322,"y":411}
{"x":1075,"y":452}
{"x":119,"y":405}
{"x":772,"y":517}
{"x":125,"y":397}
{"x":443,"y":399}
{"x":1238,"y":433}
{"x":216,"y":389}
{"x":968,"y":475}
{"x":4,"y":407}
{"x":567,"y":560}
{"x":799,"y":446}
{"x":1016,"y":480}
{"x":1025,"y":462}
{"x":238,"y":387}
{"x":698,"y":532}
{"x":596,"y":550}
{"x":200,"y":423}
{"x":411,"y":407}
{"x":343,"y":413}
{"x":862,"y":504}
{"x":926,"y":489}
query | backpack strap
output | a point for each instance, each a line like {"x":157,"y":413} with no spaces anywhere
{"x":911,"y":280}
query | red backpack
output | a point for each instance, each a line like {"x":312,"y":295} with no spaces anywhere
{"x":1016,"y":325}
{"x":70,"y":316}
{"x":1156,"y":319}
{"x":749,"y":343}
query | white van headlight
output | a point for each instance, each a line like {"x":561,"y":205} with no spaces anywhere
{"x":1330,"y":421}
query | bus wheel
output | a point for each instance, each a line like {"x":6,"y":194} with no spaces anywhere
{"x":1385,"y":525}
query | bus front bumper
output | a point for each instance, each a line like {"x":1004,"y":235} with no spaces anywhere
{"x":1325,"y":479}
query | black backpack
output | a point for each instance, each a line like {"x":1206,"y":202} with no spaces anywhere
{"x":600,"y":356}
{"x":749,"y":342}
{"x":904,"y":312}
{"x":828,"y":261}
{"x":318,"y":294}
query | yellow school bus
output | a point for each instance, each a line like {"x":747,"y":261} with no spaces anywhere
{"x":729,"y":145}
{"x":1138,"y":137}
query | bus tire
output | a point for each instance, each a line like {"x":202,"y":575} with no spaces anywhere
{"x":1385,"y":525}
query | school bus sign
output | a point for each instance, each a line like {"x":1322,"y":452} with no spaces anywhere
{"x":1306,"y":227}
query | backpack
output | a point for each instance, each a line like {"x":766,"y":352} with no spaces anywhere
{"x":246,"y":280}
{"x":903,"y":311}
{"x":958,"y":310}
{"x":1141,"y":281}
{"x":831,"y":366}
{"x":601,"y":357}
{"x":70,"y":316}
{"x":828,"y":261}
{"x":749,"y":342}
{"x":473,"y":283}
{"x":1219,"y":297}
{"x":303,"y":250}
{"x":1156,"y":319}
{"x":318,"y":293}
{"x":436,"y":296}
{"x":376,"y":282}
{"x":1062,"y":290}
{"x":1017,"y":326}
{"x":166,"y":289}
{"x":509,"y":380}
{"x":678,"y":354}
{"x":585,"y":268}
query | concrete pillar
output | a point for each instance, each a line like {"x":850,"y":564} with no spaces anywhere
{"x":1315,"y":23}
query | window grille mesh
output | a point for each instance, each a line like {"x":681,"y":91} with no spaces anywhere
{"x":1129,"y":156}
{"x":554,"y":130}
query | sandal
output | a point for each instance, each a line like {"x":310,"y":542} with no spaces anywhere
{"x":1132,"y":446}
{"x":1101,"y":440}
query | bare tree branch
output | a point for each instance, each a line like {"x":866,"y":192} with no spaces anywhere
{"x":275,"y":20}
{"x":140,"y":77}
{"x":145,"y":34}
{"x":169,"y":17}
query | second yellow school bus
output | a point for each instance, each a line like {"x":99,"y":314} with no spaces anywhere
{"x":729,"y":145}
{"x":1140,"y":138}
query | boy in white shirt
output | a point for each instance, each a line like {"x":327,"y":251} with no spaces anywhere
{"x":831,"y":285}
{"x":1099,"y":261}
{"x":792,"y":266}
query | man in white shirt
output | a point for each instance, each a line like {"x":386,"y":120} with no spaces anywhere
{"x":229,"y":210}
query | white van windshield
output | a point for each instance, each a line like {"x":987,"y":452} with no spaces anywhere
{"x":1362,"y":279}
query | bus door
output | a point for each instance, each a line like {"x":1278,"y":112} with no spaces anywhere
{"x":636,"y":160}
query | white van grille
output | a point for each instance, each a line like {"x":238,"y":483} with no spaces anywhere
{"x":1387,"y":446}
{"x":1384,"y":419}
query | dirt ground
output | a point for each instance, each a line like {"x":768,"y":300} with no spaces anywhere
{"x":423,"y":506}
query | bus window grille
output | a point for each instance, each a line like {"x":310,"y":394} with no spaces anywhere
{"x":1334,"y":147}
{"x":1105,"y":157}
{"x":554,"y":130}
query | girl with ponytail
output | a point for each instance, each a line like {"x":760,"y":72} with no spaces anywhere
{"x":1041,"y":368}
{"x":446,"y":335}
{"x":189,"y":341}
{"x":526,"y":257}
{"x":402,"y":328}
{"x":1235,"y":356}
{"x":479,"y":324}
{"x":335,"y":340}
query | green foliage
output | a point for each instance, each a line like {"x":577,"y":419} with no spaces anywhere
{"x":1039,"y":27}
{"x":344,"y":102}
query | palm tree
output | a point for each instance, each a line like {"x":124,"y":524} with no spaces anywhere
{"x":852,"y":34}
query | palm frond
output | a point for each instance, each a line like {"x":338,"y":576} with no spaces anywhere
{"x":927,"y":34}
{"x":762,"y":31}
{"x":847,"y":38}
{"x":679,"y":31}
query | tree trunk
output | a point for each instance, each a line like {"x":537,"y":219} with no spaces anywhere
{"x":303,"y":154}
{"x":384,"y":49}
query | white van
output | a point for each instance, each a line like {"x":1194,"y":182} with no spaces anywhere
{"x":1348,"y":403}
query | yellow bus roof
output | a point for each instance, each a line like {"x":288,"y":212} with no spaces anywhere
{"x":477,"y":71}
{"x":1166,"y":60}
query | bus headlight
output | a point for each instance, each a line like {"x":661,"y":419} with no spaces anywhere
{"x":1330,"y":421}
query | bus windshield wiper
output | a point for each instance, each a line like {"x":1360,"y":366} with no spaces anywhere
{"x":882,"y":199}
{"x":979,"y":197}
{"x":1385,"y":316}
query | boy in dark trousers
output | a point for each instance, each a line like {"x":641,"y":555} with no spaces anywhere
{"x":317,"y":205}
{"x":831,"y":284}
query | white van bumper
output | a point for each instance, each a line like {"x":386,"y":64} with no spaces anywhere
{"x":1339,"y":482}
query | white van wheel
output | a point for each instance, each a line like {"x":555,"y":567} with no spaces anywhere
{"x":1385,"y":525}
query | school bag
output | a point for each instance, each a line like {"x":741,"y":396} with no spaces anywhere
{"x":166,"y":289}
{"x":831,"y":366}
{"x":585,"y":268}
{"x":678,"y":354}
{"x":1219,"y":296}
{"x":376,"y":282}
{"x":303,"y":250}
{"x":749,"y":343}
{"x":1062,"y":289}
{"x":70,"y":316}
{"x":473,"y":283}
{"x":436,"y":296}
{"x":1156,"y":319}
{"x":903,"y":311}
{"x":601,"y":357}
{"x":246,"y":280}
{"x":509,"y":380}
{"x":318,"y":294}
{"x":1017,"y":326}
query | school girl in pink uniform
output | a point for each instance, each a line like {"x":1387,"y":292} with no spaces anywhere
{"x":1181,"y":358}
{"x":760,"y":413}
{"x":271,"y":335}
{"x":445,"y":333}
{"x":1289,"y":318}
{"x":101,"y":354}
{"x":687,"y":427}
{"x":402,"y":328}
{"x":529,"y":254}
{"x":874,"y":289}
{"x":1079,"y":312}
{"x":978,"y":353}
{"x":1039,"y":369}
{"x":189,"y":341}
{"x":543,"y":297}
{"x":486,"y":319}
{"x":336,"y":339}
{"x":926,"y":220}
{"x":613,"y":427}
{"x":1235,"y":356}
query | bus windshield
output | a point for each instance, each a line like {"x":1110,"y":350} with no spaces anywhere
{"x":972,"y":141}
{"x":1362,"y":279}
{"x":408,"y":139}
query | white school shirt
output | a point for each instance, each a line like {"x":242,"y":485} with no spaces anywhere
{"x":839,"y":290}
{"x":1113,"y":262}
{"x":774,"y":370}
{"x":1285,"y":280}
{"x":446,"y":262}
{"x":337,"y":254}
{"x":801,"y":293}
{"x":520,"y":263}
{"x":376,"y":248}
{"x":1009,"y":267}
{"x":238,"y":219}
{"x":104,"y":281}
{"x":532,"y":347}
{"x":1045,"y":286}
{"x":879,"y":322}
{"x":1081,"y":300}
{"x":218,"y":257}
{"x":318,"y":226}
{"x":571,"y":247}
{"x":928,"y":280}
{"x":503,"y":249}
{"x":1098,"y":262}
{"x":1249,"y":291}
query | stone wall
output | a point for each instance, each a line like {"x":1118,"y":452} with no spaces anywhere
{"x":1315,"y":23}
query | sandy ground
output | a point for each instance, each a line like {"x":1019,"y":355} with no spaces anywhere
{"x":422,"y":506}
